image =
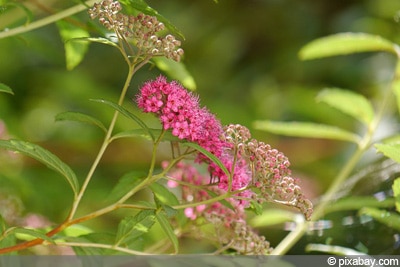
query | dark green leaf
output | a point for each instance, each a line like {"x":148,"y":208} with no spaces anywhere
{"x":74,"y":51}
{"x":127,"y":114}
{"x":5,"y":89}
{"x":162,"y":219}
{"x":30,"y":234}
{"x":348,"y":102}
{"x":345,"y":43}
{"x":209,"y":155}
{"x":163,"y":194}
{"x":175,"y":70}
{"x":306,"y":129}
{"x":80,"y":117}
{"x":390,"y":219}
{"x":390,"y":150}
{"x":143,"y":7}
{"x":396,"y":193}
{"x":86,"y":250}
{"x":133,"y":227}
{"x":125,"y":184}
{"x":44,"y":156}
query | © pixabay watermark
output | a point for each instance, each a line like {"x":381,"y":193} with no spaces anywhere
{"x":362,"y":261}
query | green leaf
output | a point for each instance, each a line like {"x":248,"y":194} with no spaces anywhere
{"x":255,"y":207}
{"x":125,"y":184}
{"x":306,"y":129}
{"x":133,"y":227}
{"x":272,"y":217}
{"x":145,"y":134}
{"x":345,"y":43}
{"x":396,"y":193}
{"x":127,"y":114}
{"x":390,"y":219}
{"x":348,"y":102}
{"x":164,"y":195}
{"x":77,"y":230}
{"x":396,"y":85}
{"x":45,"y":157}
{"x":74,"y":51}
{"x":390,"y":150}
{"x":358,"y":202}
{"x":223,"y":201}
{"x":334,"y":250}
{"x":30,"y":234}
{"x":100,"y":40}
{"x":86,"y":250}
{"x":143,"y":7}
{"x":209,"y":155}
{"x":162,"y":219}
{"x":80,"y":117}
{"x":175,"y":70}
{"x":5,"y":89}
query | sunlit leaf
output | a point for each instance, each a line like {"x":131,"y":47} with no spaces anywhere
{"x":272,"y":217}
{"x":80,"y":117}
{"x":176,"y":70}
{"x":396,"y":193}
{"x":388,"y":218}
{"x":209,"y":155}
{"x":162,"y":219}
{"x":348,"y":102}
{"x":306,"y":129}
{"x":127,"y":114}
{"x":45,"y":157}
{"x":334,"y":250}
{"x":30,"y":234}
{"x":100,"y":40}
{"x":163,"y":194}
{"x":133,"y":227}
{"x":143,"y":7}
{"x":77,"y":230}
{"x":5,"y":89}
{"x":345,"y":43}
{"x":74,"y":51}
{"x":390,"y":150}
{"x":125,"y":184}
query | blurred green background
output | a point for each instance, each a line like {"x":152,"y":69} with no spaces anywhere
{"x":243,"y":57}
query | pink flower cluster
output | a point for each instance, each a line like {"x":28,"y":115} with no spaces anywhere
{"x":179,"y":110}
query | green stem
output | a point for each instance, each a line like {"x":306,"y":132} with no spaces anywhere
{"x":47,"y":20}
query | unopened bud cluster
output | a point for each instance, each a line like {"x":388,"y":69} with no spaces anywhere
{"x":143,"y":29}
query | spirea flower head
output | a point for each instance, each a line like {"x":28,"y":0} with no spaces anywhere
{"x":143,"y":29}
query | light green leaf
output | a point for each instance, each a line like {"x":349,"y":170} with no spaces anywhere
{"x":176,"y":71}
{"x":144,"y":134}
{"x":348,"y":102}
{"x":80,"y":117}
{"x":45,"y":157}
{"x":30,"y":234}
{"x":5,"y":89}
{"x":335,"y":250}
{"x":272,"y":217}
{"x":143,"y":7}
{"x":125,"y":184}
{"x":74,"y":51}
{"x":358,"y":202}
{"x":77,"y":230}
{"x":306,"y":129}
{"x":390,"y":219}
{"x":390,"y":150}
{"x":99,"y":40}
{"x":396,"y":193}
{"x":345,"y":43}
{"x":396,"y":85}
{"x":133,"y":227}
{"x":209,"y":155}
{"x":162,"y":219}
{"x":164,"y":195}
{"x":127,"y":114}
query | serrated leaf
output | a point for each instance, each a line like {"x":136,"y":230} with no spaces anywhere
{"x":80,"y":117}
{"x":175,"y":70}
{"x":396,"y":193}
{"x":74,"y":51}
{"x":45,"y":157}
{"x":390,"y":150}
{"x":209,"y":155}
{"x":390,"y":219}
{"x":345,"y":43}
{"x":127,"y":114}
{"x":306,"y":129}
{"x":30,"y":234}
{"x":143,"y":7}
{"x":163,"y":194}
{"x":348,"y":102}
{"x":133,"y":227}
{"x":125,"y":184}
{"x":168,"y":230}
{"x":5,"y":89}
